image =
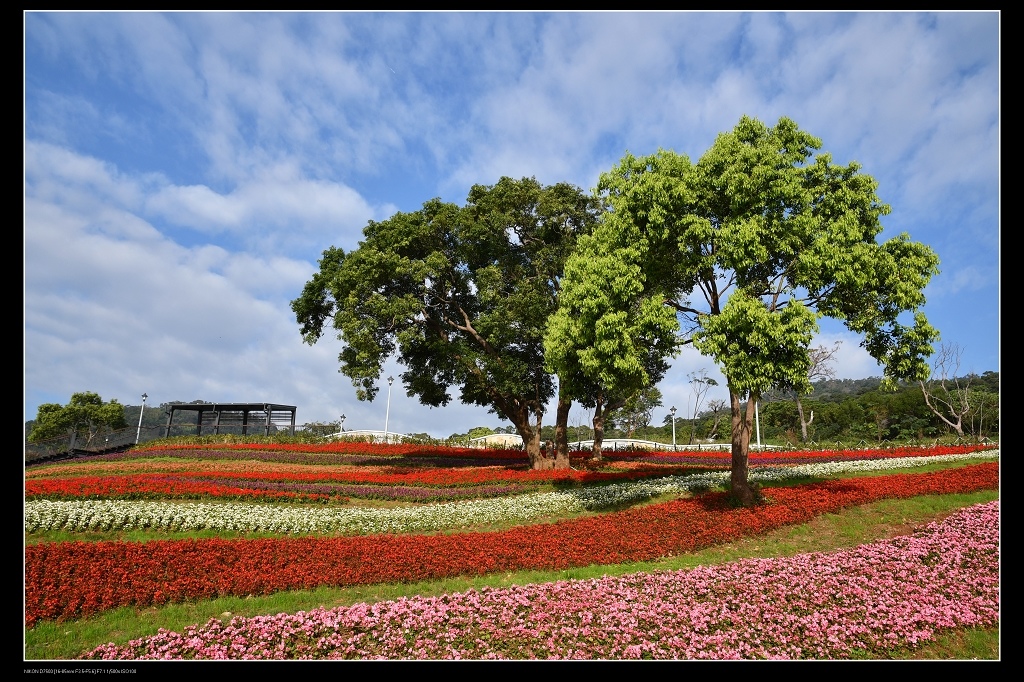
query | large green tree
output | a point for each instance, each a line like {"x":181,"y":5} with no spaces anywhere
{"x":85,"y":416}
{"x":462,"y":295}
{"x":755,"y":242}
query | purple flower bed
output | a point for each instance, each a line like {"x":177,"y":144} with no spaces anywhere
{"x":676,"y":459}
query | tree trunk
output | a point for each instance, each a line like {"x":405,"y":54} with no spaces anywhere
{"x":561,"y":448}
{"x":714,"y":427}
{"x":91,"y":429}
{"x":742,"y":424}
{"x":531,"y":438}
{"x":604,"y":407}
{"x":803,"y":424}
{"x":540,"y":458}
{"x":598,"y":424}
{"x":956,"y":426}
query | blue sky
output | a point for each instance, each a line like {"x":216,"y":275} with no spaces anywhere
{"x":184,"y":171}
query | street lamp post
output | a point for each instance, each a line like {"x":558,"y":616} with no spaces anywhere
{"x":387,"y":414}
{"x":343,"y":423}
{"x":138,"y":431}
{"x":673,"y":411}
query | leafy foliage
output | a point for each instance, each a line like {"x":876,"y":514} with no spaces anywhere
{"x":85,"y":414}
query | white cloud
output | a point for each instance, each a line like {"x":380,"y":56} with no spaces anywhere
{"x":967,"y":279}
{"x":52,"y":171}
{"x":111,"y":302}
{"x":270,"y":214}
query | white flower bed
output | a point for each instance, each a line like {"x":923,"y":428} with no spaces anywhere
{"x":86,"y":515}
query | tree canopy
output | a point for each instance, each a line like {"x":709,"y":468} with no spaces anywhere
{"x":749,"y":247}
{"x":609,"y":340}
{"x":460,"y":294}
{"x":85,"y":414}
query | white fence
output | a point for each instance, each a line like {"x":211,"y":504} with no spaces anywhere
{"x":375,"y":436}
{"x":507,"y":440}
{"x":614,"y":444}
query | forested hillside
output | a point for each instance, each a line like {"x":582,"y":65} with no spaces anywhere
{"x":849,"y":410}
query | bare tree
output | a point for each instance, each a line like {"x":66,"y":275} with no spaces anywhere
{"x":717,"y":408}
{"x":578,"y":422}
{"x":880,"y":414}
{"x":701,"y":383}
{"x":635,"y":412}
{"x":983,"y":404}
{"x":948,"y":396}
{"x":821,"y":367}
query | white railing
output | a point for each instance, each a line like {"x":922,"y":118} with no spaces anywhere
{"x":375,"y":436}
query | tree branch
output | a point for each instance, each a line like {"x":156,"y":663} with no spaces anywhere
{"x":680,"y":308}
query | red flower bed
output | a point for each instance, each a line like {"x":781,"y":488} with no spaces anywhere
{"x":182,"y":483}
{"x":74,"y":579}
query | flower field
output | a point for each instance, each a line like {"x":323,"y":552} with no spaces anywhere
{"x":220,"y":521}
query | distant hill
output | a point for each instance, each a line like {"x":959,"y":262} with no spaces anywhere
{"x":838,"y":390}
